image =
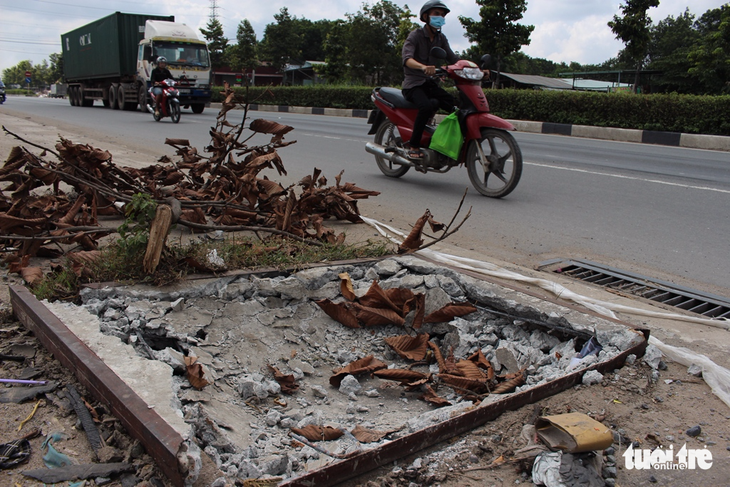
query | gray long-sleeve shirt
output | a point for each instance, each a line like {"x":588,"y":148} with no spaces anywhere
{"x":418,"y":46}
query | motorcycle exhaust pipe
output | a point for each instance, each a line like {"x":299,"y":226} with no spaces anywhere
{"x":379,"y":150}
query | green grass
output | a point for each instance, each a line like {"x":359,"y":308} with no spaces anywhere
{"x":123,"y":262}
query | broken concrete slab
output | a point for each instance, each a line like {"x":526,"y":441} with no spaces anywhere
{"x":245,"y":420}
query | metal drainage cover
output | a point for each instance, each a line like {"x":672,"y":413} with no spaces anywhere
{"x":646,"y":287}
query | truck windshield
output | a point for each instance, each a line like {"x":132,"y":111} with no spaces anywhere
{"x":178,"y":54}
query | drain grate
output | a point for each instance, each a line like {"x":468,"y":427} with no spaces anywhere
{"x":646,"y":287}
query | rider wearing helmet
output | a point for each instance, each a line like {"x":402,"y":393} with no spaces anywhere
{"x":158,"y":75}
{"x":418,"y":86}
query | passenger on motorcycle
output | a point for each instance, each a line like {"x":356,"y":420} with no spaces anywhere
{"x":418,"y":86}
{"x":158,"y":75}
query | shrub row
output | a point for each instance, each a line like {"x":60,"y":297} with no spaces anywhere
{"x":661,"y":112}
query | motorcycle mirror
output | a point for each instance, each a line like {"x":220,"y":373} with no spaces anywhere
{"x":485,"y":61}
{"x":438,"y":53}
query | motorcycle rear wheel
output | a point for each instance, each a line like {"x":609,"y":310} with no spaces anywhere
{"x":175,"y":111}
{"x":503,"y":163}
{"x":387,"y":136}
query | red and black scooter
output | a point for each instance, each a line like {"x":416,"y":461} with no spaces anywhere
{"x":490,"y":152}
{"x":169,"y":104}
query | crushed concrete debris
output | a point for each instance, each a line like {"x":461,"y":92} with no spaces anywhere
{"x":241,"y":327}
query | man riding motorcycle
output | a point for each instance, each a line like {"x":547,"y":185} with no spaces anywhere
{"x":418,"y":86}
{"x":158,"y":75}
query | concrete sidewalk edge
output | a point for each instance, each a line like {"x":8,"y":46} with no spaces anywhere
{"x":674,"y":139}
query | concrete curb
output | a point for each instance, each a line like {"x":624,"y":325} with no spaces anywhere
{"x":673,"y":139}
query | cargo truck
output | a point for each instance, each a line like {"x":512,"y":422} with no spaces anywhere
{"x":111,"y":60}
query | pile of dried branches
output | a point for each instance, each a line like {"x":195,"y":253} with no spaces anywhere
{"x":45,"y":202}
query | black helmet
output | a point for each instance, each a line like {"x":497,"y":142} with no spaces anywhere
{"x":430,"y":5}
{"x":161,"y":59}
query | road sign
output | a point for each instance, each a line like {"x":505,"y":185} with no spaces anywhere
{"x":28,"y":74}
{"x":27,"y":80}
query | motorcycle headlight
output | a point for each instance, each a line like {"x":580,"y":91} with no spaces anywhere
{"x":470,"y":73}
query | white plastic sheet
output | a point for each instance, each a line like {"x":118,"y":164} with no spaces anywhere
{"x":716,"y":376}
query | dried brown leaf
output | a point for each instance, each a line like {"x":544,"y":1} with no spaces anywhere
{"x":376,"y":316}
{"x":338,"y":312}
{"x":414,"y":240}
{"x":195,"y":373}
{"x":510,"y":385}
{"x":402,"y":375}
{"x":429,"y":395}
{"x":31,"y":275}
{"x":364,"y":365}
{"x":268,"y":127}
{"x":286,"y":381}
{"x":449,"y":312}
{"x":364,"y":435}
{"x":408,"y":347}
{"x":318,"y":433}
{"x":346,"y":287}
{"x":478,"y":386}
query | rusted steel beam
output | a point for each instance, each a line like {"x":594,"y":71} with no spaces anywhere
{"x":369,"y":460}
{"x":160,"y":440}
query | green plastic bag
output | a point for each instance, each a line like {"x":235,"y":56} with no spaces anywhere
{"x":448,"y":139}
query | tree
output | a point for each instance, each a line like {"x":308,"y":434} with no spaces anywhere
{"x":710,"y":56}
{"x":280,"y":44}
{"x":669,"y":46}
{"x":367,"y":48}
{"x":242,"y":55}
{"x":498,"y":33}
{"x":633,"y":29}
{"x":16,"y":74}
{"x":217,"y":43}
{"x":55,"y":72}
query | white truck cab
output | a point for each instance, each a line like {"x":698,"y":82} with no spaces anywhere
{"x":187,"y":59}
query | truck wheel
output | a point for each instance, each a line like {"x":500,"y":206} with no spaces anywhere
{"x":142,"y":99}
{"x":85,"y":102}
{"x":71,"y":97}
{"x":113,"y":102}
{"x":124,"y":103}
{"x":198,"y":107}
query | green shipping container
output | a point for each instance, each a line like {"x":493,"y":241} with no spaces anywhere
{"x":105,"y":48}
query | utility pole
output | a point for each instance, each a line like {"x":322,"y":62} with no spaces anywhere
{"x":213,"y":10}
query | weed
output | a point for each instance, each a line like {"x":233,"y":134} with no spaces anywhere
{"x":121,"y":261}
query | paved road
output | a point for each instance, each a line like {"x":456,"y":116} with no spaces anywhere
{"x":655,"y":210}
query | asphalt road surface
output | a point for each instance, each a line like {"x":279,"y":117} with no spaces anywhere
{"x":659,"y":211}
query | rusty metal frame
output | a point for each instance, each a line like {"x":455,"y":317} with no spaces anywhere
{"x":160,"y":440}
{"x":369,"y":460}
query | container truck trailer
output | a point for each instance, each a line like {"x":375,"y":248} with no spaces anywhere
{"x":111,"y":59}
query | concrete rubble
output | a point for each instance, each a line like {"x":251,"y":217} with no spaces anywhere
{"x":239,"y":325}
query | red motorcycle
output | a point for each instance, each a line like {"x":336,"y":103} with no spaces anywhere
{"x":169,"y":104}
{"x":491,"y":154}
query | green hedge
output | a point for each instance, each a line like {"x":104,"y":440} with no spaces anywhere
{"x":669,"y":113}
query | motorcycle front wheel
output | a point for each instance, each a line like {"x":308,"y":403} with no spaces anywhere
{"x":175,"y":111}
{"x":387,"y":136}
{"x":500,"y":171}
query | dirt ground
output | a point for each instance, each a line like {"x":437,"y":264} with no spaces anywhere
{"x":635,"y":408}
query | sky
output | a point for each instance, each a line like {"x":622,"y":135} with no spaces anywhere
{"x":565,"y":30}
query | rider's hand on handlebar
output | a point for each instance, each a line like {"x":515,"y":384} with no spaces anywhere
{"x":429,"y":70}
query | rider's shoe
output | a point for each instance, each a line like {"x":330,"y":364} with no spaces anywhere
{"x":414,"y":153}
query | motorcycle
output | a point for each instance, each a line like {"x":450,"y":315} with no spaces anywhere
{"x":491,"y":155}
{"x":2,"y":93}
{"x":169,"y":104}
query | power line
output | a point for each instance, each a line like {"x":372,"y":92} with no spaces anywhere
{"x":21,"y":41}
